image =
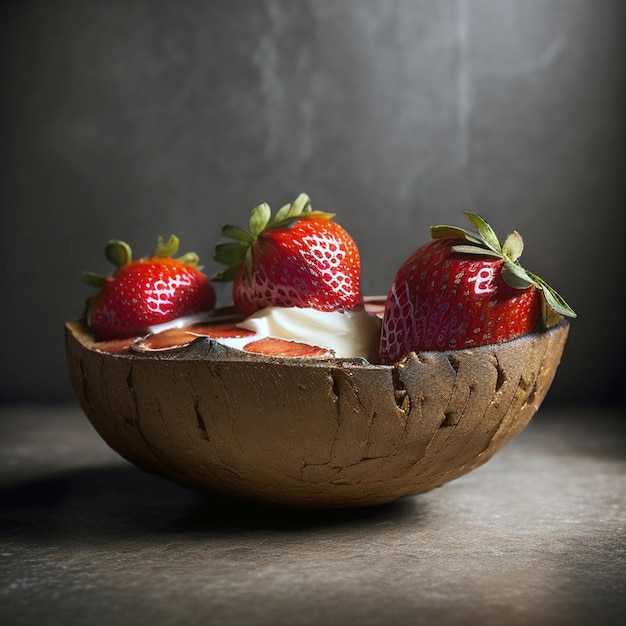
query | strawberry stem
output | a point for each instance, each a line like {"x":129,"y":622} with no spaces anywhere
{"x":119,"y":253}
{"x":238,"y":252}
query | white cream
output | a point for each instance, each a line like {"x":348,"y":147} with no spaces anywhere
{"x":347,"y":334}
{"x":180,"y":322}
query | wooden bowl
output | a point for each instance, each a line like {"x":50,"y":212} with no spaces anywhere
{"x":311,"y":432}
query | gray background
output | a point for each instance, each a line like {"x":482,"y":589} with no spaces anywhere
{"x":135,"y":118}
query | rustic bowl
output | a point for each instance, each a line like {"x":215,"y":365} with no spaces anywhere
{"x":311,"y":432}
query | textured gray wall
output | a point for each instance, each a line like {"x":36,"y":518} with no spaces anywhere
{"x":135,"y":118}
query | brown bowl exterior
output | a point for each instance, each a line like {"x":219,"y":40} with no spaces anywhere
{"x":311,"y":433}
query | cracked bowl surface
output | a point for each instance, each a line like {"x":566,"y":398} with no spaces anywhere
{"x":310,"y":432}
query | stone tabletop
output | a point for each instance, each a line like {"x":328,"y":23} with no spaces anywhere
{"x":536,"y":536}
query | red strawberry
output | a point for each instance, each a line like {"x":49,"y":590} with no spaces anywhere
{"x":464,"y":290}
{"x":298,"y":258}
{"x":147,"y":291}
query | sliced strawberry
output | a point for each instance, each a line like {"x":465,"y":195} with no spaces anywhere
{"x":219,"y":331}
{"x":179,"y":337}
{"x":114,"y":346}
{"x":298,"y":258}
{"x":165,"y":340}
{"x":271,"y":346}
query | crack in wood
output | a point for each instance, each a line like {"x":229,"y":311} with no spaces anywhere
{"x":501,"y":376}
{"x":200,"y":419}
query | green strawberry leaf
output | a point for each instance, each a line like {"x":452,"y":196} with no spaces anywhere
{"x":442,"y":231}
{"x":554,"y":300}
{"x":516,"y":276}
{"x":236,"y":233}
{"x":485,"y":232}
{"x":479,"y":251}
{"x":95,"y":280}
{"x":302,"y":204}
{"x":299,"y":209}
{"x":191,"y":259}
{"x":226,"y":276}
{"x":548,"y":315}
{"x":231,"y":253}
{"x":118,"y":252}
{"x":513,"y":247}
{"x":259,"y":219}
{"x":282,"y":213}
{"x":294,"y":210}
{"x":167,"y":249}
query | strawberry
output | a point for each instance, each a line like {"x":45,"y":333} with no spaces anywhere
{"x":298,"y":258}
{"x":146,"y":291}
{"x":276,"y":347}
{"x":464,"y":290}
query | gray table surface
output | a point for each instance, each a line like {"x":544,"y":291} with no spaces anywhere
{"x":535,"y":536}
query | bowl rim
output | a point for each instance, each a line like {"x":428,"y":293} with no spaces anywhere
{"x":206,"y":348}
